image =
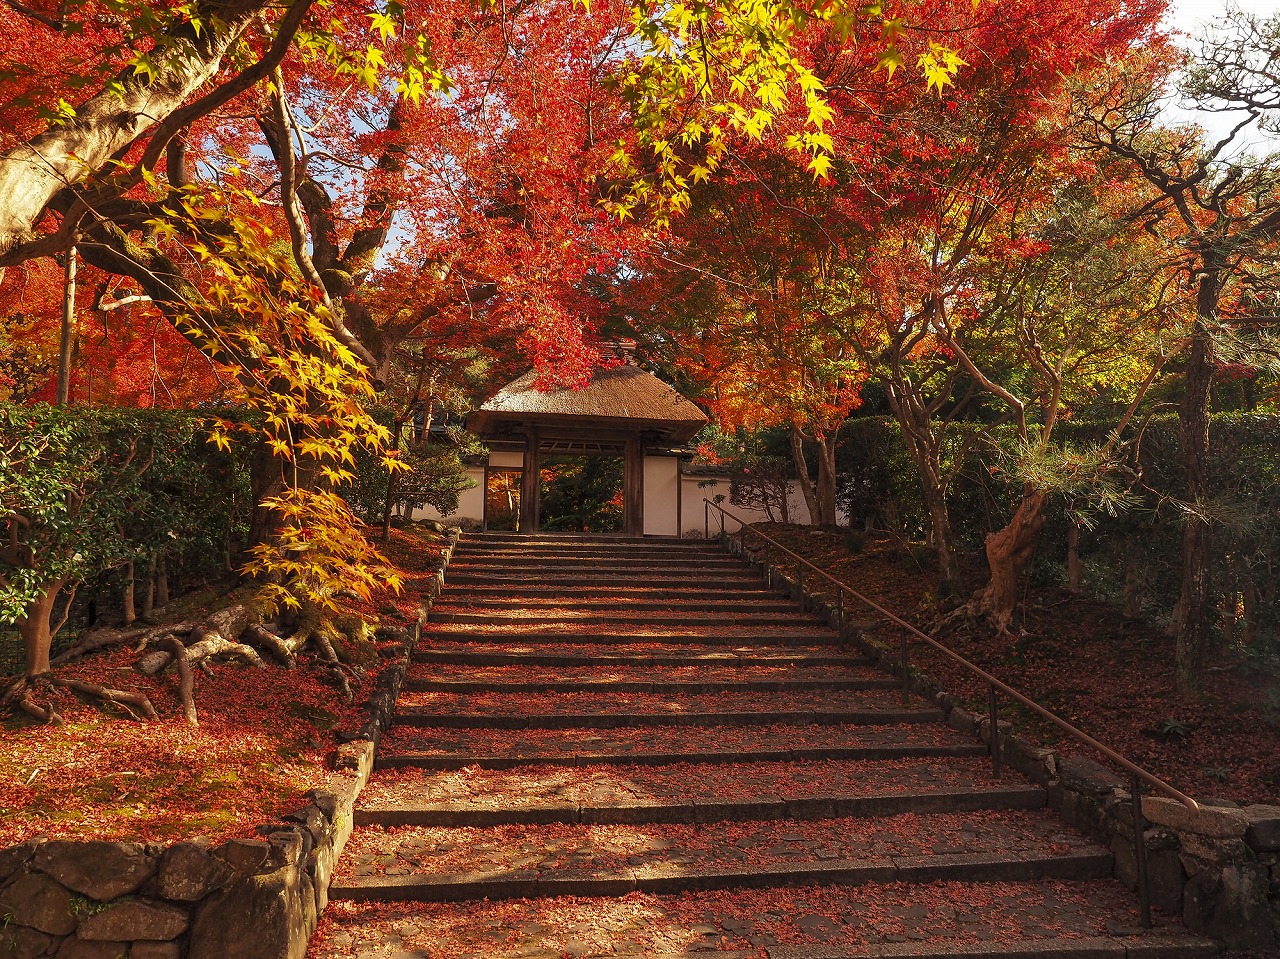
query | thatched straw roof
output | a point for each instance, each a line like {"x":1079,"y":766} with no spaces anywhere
{"x":625,"y":398}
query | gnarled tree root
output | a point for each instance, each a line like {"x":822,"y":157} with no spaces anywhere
{"x":186,"y":679}
{"x":121,"y":697}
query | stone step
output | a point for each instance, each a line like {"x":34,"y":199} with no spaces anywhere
{"x":679,"y":561}
{"x":443,"y":863}
{"x":750,"y":590}
{"x":688,"y":793}
{"x":561,"y":617}
{"x":619,"y":636}
{"x":734,"y":578}
{"x":702,"y":677}
{"x":668,"y":877}
{"x":597,"y":708}
{"x":452,"y":601}
{"x":619,"y":720}
{"x":1045,"y":919}
{"x":831,"y":805}
{"x":638,"y":686}
{"x":391,"y":759}
{"x":630,"y":655}
{"x":428,"y":747}
{"x":570,"y":540}
{"x":598,"y":554}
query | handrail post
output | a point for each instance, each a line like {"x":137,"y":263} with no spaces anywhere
{"x":906,"y":672}
{"x":840,"y":610}
{"x":800,"y":584}
{"x":706,"y":519}
{"x":1140,"y":854}
{"x":993,"y":724}
{"x":767,"y":577}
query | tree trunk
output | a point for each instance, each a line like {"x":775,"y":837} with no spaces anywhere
{"x":149,"y":593}
{"x":1073,"y":557}
{"x":266,"y":478}
{"x":386,"y":507}
{"x":935,"y":501}
{"x":128,"y":601}
{"x":105,"y":124}
{"x":1008,"y":552}
{"x":162,"y":581}
{"x":1249,"y":601}
{"x":1131,"y":604}
{"x":827,"y":477}
{"x":1191,"y":648}
{"x":925,"y":446}
{"x":802,"y":475}
{"x":36,"y":630}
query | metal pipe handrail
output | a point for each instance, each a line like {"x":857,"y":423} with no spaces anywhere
{"x":1008,"y":690}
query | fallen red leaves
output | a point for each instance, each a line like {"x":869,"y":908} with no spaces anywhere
{"x":767,"y":781}
{"x":261,"y":744}
{"x":847,"y":918}
{"x":1111,"y":676}
{"x":436,"y":850}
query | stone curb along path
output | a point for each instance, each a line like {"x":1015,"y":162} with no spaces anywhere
{"x":241,"y":899}
{"x":630,"y":747}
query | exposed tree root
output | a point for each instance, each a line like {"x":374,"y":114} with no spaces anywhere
{"x":284,"y":650}
{"x":121,"y":697}
{"x":45,"y":714}
{"x":186,"y":679}
{"x":339,"y":650}
{"x":101,"y":639}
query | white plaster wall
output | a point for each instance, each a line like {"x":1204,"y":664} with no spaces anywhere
{"x":470,"y":503}
{"x":506,"y":460}
{"x":661,"y":489}
{"x":694,"y":494}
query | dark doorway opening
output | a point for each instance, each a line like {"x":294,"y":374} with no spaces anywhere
{"x":502,"y":500}
{"x":581,"y":494}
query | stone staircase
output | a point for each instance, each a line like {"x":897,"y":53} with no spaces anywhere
{"x":629,"y":747}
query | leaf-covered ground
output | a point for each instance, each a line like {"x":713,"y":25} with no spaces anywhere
{"x":650,"y":739}
{"x":432,"y":850}
{"x":848,"y":918}
{"x":261,"y":744}
{"x":1111,"y":676}
{"x":679,"y":782}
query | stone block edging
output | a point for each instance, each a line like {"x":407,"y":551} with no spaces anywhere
{"x":1217,"y":868}
{"x":241,"y":899}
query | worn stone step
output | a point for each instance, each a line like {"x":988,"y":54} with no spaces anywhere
{"x":553,"y":617}
{"x":570,"y":540}
{"x":708,"y":669}
{"x":583,"y":555}
{"x":569,"y":561}
{"x":1054,"y":919}
{"x":604,"y":637}
{"x":832,"y":805}
{"x":561,"y":859}
{"x":390,"y":759}
{"x":630,"y":655}
{"x":666,"y":878}
{"x":673,"y":706}
{"x":647,"y":686}
{"x":689,"y":792}
{"x":452,"y":600}
{"x":606,"y":577}
{"x":485,"y":588}
{"x":435,"y":747}
{"x":618,"y":720}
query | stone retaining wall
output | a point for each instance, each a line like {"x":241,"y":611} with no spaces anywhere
{"x":1218,"y":868}
{"x":241,"y":899}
